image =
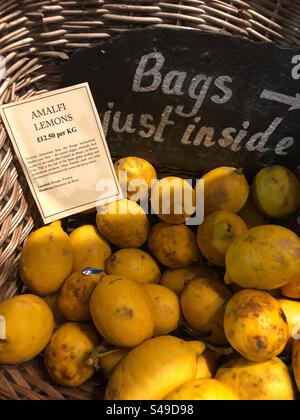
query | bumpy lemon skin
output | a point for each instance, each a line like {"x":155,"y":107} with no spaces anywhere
{"x":174,"y":246}
{"x":89,"y":247}
{"x":46,"y":259}
{"x":216,"y":233}
{"x":136,"y":169}
{"x":124,"y":223}
{"x":203,"y":304}
{"x":66,"y":357}
{"x":173,"y":199}
{"x":29,"y":327}
{"x":269,"y":380}
{"x":255,"y":325}
{"x":203,"y":390}
{"x":135,"y":264}
{"x":265,"y":258}
{"x":152,"y":370}
{"x":75,"y":294}
{"x":122,"y":311}
{"x":176,"y":279}
{"x":166,"y":307}
{"x":225,"y":189}
{"x":276,"y":191}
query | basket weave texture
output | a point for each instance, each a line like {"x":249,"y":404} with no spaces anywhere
{"x":35,"y":37}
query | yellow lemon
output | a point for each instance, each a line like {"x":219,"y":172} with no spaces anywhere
{"x":203,"y":390}
{"x":26,"y":327}
{"x":124,"y":223}
{"x":177,"y":278}
{"x":225,"y":189}
{"x":255,"y":325}
{"x":152,"y":370}
{"x":135,"y":176}
{"x":174,"y":246}
{"x":75,"y":294}
{"x":216,"y":233}
{"x":46,"y":259}
{"x":276,"y":191}
{"x":90,"y":249}
{"x":66,"y":357}
{"x":203,"y":304}
{"x":265,"y":257}
{"x":166,"y":307}
{"x":173,"y":199}
{"x":269,"y":380}
{"x":122,"y":311}
{"x":135,"y":264}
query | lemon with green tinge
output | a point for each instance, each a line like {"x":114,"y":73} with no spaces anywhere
{"x":276,"y":191}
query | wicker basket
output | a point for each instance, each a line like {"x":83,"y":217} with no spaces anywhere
{"x":36,"y":36}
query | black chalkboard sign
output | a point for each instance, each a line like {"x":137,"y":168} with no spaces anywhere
{"x":194,"y":100}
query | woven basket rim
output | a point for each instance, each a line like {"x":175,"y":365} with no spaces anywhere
{"x":35,"y":37}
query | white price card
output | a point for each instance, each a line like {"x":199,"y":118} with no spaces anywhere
{"x":59,"y":141}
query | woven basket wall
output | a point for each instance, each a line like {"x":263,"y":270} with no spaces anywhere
{"x":35,"y":37}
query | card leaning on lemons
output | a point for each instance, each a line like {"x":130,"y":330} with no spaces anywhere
{"x":59,"y":141}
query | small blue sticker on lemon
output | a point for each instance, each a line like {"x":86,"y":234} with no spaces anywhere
{"x":89,"y":271}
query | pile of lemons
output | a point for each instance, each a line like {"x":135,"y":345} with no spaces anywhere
{"x":163,"y":309}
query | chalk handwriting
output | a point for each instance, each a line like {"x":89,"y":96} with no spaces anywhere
{"x":296,"y":68}
{"x":150,"y":76}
